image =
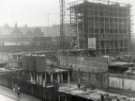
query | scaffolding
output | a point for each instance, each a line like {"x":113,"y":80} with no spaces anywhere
{"x":105,"y":23}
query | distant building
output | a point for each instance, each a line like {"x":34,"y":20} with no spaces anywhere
{"x":50,"y":42}
{"x":16,"y":31}
{"x":5,"y":30}
{"x":104,"y":26}
{"x":35,"y":38}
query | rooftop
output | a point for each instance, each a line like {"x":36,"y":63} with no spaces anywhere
{"x":101,"y":2}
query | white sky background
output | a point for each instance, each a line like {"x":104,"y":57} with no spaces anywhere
{"x":31,"y":12}
{"x":34,"y":12}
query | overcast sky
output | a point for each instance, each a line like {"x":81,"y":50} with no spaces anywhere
{"x":31,"y":12}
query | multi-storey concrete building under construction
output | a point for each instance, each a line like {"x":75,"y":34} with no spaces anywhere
{"x":103,"y":26}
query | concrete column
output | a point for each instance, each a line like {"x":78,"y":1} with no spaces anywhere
{"x":17,"y":58}
{"x":68,"y":77}
{"x":59,"y":98}
{"x":66,"y":98}
{"x":52,"y":77}
{"x":61,"y":77}
{"x":45,"y":77}
{"x":30,"y":74}
{"x":40,"y":79}
{"x":44,"y":80}
{"x":37,"y":78}
{"x":34,"y":77}
{"x":58,"y":78}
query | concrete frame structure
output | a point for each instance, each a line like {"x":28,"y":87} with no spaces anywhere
{"x":45,"y":78}
{"x":106,"y":24}
{"x":41,"y":70}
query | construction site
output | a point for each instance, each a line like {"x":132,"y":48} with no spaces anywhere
{"x":92,"y":69}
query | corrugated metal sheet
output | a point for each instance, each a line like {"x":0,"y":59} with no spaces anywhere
{"x":120,"y":81}
{"x":115,"y":82}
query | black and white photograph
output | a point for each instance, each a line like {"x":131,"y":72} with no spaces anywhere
{"x":67,"y":50}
